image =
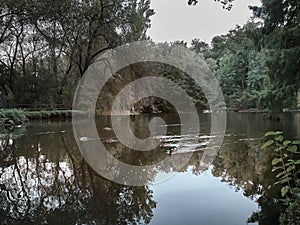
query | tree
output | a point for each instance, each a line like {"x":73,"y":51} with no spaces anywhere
{"x":48,"y":45}
{"x":281,"y":38}
{"x":239,"y":64}
{"x":227,"y":4}
{"x":200,"y":47}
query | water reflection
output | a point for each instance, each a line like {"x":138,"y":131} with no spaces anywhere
{"x":44,"y":179}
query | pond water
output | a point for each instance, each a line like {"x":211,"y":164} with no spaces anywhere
{"x":45,"y":180}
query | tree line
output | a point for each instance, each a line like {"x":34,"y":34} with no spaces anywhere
{"x":46,"y":46}
{"x":258,"y":64}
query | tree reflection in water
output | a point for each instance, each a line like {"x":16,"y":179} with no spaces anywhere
{"x":245,"y":166}
{"x":44,"y":179}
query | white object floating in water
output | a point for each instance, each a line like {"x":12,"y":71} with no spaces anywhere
{"x":107,"y":128}
{"x":84,"y":139}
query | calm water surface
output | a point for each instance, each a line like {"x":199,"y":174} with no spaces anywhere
{"x":45,"y":180}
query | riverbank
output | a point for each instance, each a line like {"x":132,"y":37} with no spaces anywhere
{"x":11,"y":118}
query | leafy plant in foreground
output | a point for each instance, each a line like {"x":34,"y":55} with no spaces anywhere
{"x":286,"y":165}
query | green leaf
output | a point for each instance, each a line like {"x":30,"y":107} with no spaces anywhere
{"x":272,"y":133}
{"x":292,"y":148}
{"x":297,"y":162}
{"x":285,"y":180}
{"x":295,"y":191}
{"x":289,"y":163}
{"x":284,"y":190}
{"x":276,"y":168}
{"x":285,"y":143}
{"x":290,"y":168}
{"x":278,"y":182}
{"x":278,"y":149}
{"x":296,"y":142}
{"x":279,"y":138}
{"x":280,"y":174}
{"x":276,"y":161}
{"x":285,"y":176}
{"x":267,"y":144}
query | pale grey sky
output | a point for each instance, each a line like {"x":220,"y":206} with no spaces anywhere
{"x":175,"y":20}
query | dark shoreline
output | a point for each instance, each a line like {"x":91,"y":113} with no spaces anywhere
{"x":11,"y":118}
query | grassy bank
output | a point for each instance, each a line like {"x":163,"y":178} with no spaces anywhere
{"x":45,"y":115}
{"x":10,"y":118}
{"x":12,"y":115}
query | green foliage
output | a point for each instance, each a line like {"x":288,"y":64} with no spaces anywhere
{"x":200,"y":47}
{"x":20,"y":116}
{"x":286,"y":165}
{"x":240,"y":67}
{"x":54,"y":114}
{"x":281,"y":35}
{"x":177,"y":76}
{"x":258,"y":64}
{"x":46,"y":46}
{"x":12,"y":114}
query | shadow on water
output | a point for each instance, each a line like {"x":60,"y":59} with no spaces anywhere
{"x":45,"y":180}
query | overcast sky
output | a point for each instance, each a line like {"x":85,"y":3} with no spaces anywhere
{"x":176,"y":20}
